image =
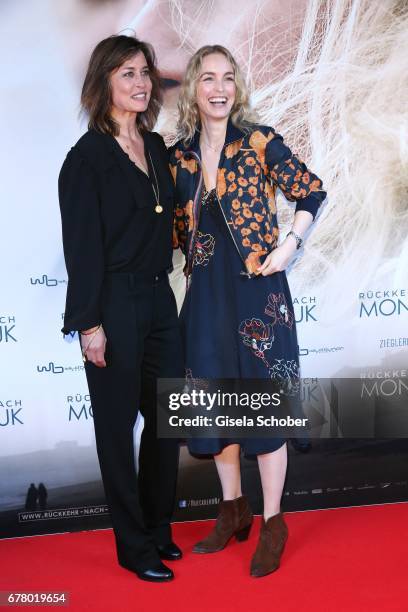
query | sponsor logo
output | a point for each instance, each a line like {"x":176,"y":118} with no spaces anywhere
{"x":383,"y":303}
{"x":196,"y":503}
{"x":11,"y":413}
{"x":7,"y":329}
{"x":393,"y":342}
{"x":305,"y":309}
{"x":53,"y":368}
{"x":304,"y":352}
{"x":384,"y":383}
{"x":47,"y":282}
{"x":63,"y":513}
{"x":361,"y":487}
{"x":79,"y":407}
{"x":392,"y":373}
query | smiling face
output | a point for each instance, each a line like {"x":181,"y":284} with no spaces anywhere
{"x":131,"y":85}
{"x":216,"y":89}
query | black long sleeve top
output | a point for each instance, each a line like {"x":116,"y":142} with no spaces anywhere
{"x":109,"y":222}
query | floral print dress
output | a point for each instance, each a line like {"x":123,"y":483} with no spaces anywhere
{"x":233,"y":326}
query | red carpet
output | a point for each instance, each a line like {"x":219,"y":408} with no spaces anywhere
{"x":335,"y":560}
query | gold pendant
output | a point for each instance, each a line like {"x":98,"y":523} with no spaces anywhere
{"x":158,"y":208}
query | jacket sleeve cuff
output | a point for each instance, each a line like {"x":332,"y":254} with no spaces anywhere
{"x":311,"y":203}
{"x":77,"y":325}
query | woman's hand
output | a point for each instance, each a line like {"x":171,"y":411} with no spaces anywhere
{"x":279,"y":258}
{"x":96,"y":350}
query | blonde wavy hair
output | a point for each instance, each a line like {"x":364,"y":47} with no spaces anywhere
{"x":188,"y":117}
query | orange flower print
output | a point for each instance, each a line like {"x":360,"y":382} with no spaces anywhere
{"x":254,"y":226}
{"x":189,"y":164}
{"x":240,"y":192}
{"x":258,"y":217}
{"x":239,"y":220}
{"x":232,"y":187}
{"x":269,"y":189}
{"x":231,"y":176}
{"x":268,"y":238}
{"x":221,"y":184}
{"x":253,"y":180}
{"x":247,"y":213}
{"x":253,"y":261}
{"x":250,"y":161}
{"x":246,"y":242}
{"x":241,"y":170}
{"x":271,"y":199}
{"x":257,"y":169}
{"x":255,"y":200}
{"x":189,"y":214}
{"x":242,"y":181}
{"x":252,"y":190}
{"x":257,"y":247}
{"x":233,"y":148}
{"x":236,"y":204}
{"x":267,"y":226}
{"x":245,"y":231}
{"x":258,"y":142}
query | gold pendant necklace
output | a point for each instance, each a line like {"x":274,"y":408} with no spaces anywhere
{"x":158,"y":208}
{"x":137,"y":161}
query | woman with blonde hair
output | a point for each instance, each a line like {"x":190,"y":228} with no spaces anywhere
{"x":237,"y":316}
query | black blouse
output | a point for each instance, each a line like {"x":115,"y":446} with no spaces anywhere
{"x":109,"y":222}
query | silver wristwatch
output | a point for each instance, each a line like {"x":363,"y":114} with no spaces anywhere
{"x":299,"y":240}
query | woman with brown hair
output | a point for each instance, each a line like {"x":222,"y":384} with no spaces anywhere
{"x":116,"y":198}
{"x":237,"y":316}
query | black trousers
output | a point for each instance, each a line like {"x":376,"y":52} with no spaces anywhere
{"x":143,"y":344}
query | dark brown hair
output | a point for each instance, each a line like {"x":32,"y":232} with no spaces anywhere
{"x":96,"y":96}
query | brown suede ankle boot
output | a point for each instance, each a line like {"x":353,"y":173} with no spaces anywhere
{"x":234,"y":518}
{"x":272,"y":540}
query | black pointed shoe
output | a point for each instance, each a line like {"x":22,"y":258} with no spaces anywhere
{"x":169,"y":552}
{"x":158,"y":573}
